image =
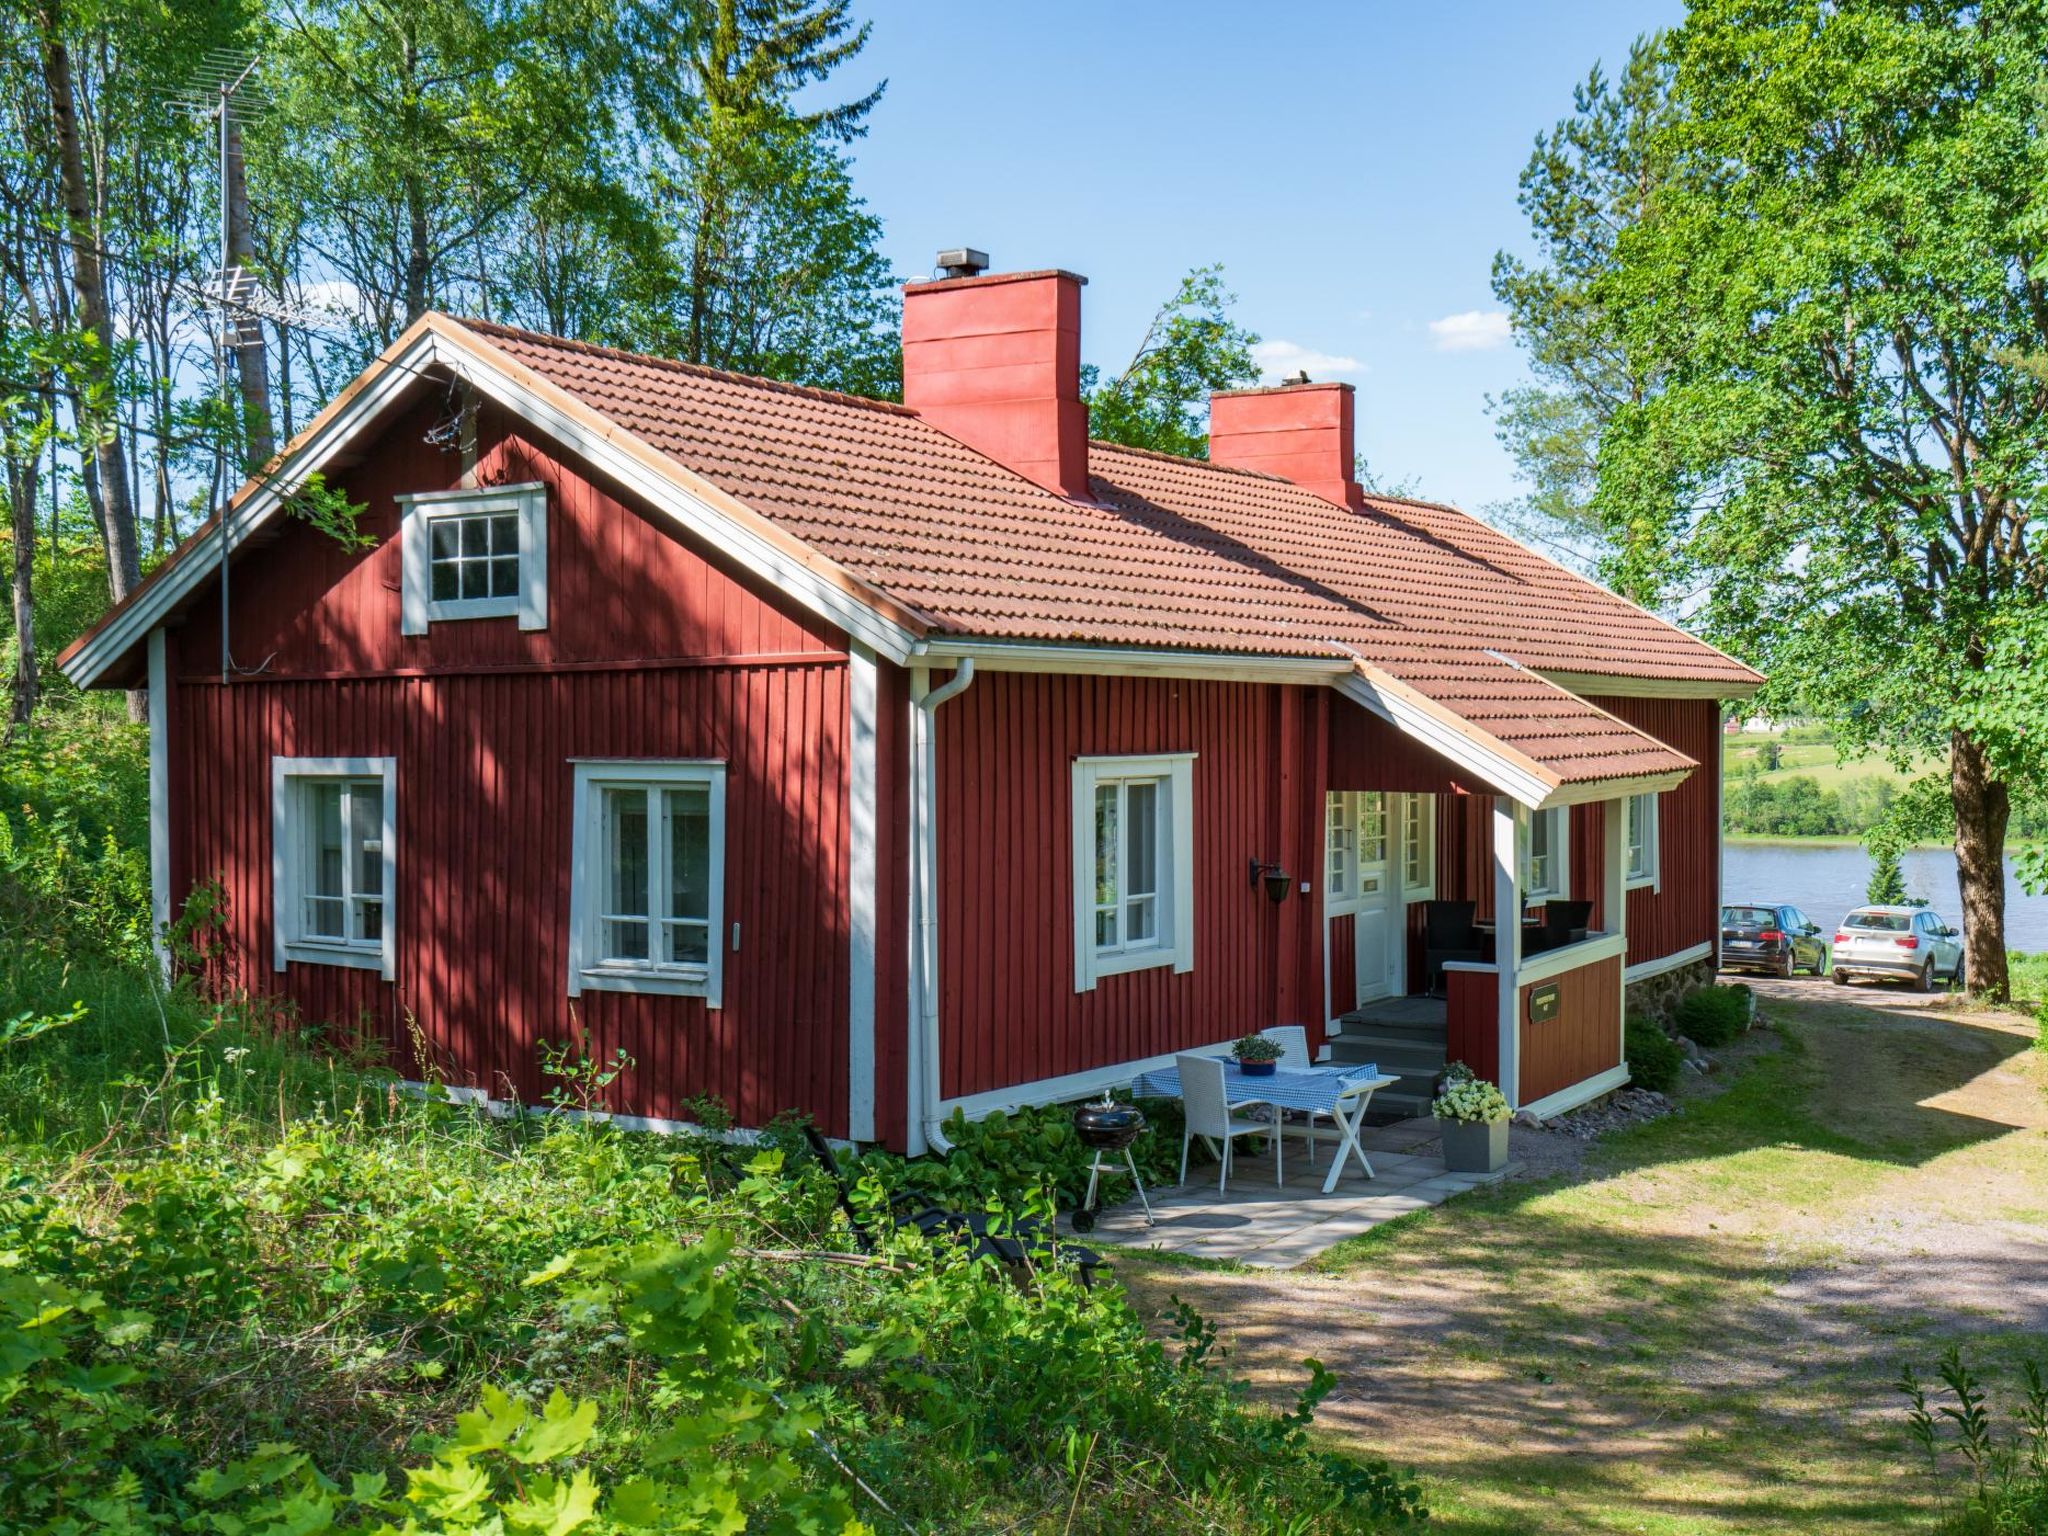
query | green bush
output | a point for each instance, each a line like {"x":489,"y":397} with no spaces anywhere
{"x":1654,"y":1058}
{"x":1713,"y":1015}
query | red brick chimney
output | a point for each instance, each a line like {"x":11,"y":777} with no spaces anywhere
{"x":995,"y":360}
{"x":1297,"y":430}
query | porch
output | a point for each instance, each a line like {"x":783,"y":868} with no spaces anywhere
{"x":1277,"y":1226}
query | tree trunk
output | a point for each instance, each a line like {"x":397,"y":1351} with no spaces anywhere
{"x":88,"y":282}
{"x":252,"y":364}
{"x":1983,"y":807}
{"x":22,"y":493}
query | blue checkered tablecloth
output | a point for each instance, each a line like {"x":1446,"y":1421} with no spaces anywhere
{"x":1290,"y":1088}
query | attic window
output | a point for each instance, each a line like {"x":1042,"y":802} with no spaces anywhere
{"x":475,"y":554}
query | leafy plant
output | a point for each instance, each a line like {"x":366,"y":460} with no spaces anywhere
{"x":1256,"y":1047}
{"x":1713,"y":1015}
{"x":2007,"y":1475}
{"x":1654,"y":1058}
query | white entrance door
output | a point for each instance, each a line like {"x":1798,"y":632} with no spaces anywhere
{"x":1376,"y":907}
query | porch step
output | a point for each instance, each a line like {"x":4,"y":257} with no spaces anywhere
{"x":1358,"y":1026}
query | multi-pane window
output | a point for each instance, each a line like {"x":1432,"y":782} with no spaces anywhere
{"x":332,"y":860}
{"x":1127,"y":863}
{"x":474,"y":554}
{"x":1640,"y":836}
{"x":1133,"y":849}
{"x":1372,"y":827}
{"x":1418,"y":843}
{"x":646,"y":893}
{"x":1546,"y":862}
{"x":1341,"y":843}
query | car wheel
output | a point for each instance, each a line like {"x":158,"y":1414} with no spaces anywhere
{"x":1924,"y":982}
{"x":1788,"y":964}
{"x":1956,"y":980}
{"x":1823,"y":963}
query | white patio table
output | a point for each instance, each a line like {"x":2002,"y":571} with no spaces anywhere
{"x":1341,"y":1092}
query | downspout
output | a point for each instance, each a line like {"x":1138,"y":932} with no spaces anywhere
{"x":924,"y":798}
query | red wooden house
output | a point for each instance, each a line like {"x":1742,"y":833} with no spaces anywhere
{"x":872,"y":760}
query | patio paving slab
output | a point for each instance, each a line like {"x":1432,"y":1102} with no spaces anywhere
{"x":1259,"y":1223}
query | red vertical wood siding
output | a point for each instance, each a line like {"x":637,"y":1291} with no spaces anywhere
{"x":1472,"y":1021}
{"x":1342,"y":963}
{"x":1582,"y":1040}
{"x":1683,"y":910}
{"x":1009,"y":1011}
{"x":652,"y":649}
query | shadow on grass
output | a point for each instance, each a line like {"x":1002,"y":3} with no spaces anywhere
{"x":1615,"y":1349}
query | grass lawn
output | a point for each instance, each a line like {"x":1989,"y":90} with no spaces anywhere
{"x":1699,"y":1331}
{"x":1807,"y":759}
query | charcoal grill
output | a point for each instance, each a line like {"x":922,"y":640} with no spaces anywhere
{"x":1106,"y":1128}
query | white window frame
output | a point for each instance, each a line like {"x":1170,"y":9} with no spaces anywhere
{"x":587,"y":973}
{"x":1559,"y":818}
{"x":289,"y":777}
{"x":417,"y":510}
{"x":1423,"y":807}
{"x":1653,"y":872}
{"x":1340,"y":839}
{"x":1175,"y":929}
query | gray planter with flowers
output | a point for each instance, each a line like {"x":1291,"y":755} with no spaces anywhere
{"x":1474,"y":1146}
{"x":1472,"y":1117}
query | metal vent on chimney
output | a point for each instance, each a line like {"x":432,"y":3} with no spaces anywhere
{"x":963,"y":261}
{"x":1300,"y":376}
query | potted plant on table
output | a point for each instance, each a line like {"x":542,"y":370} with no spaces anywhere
{"x":1472,"y":1116}
{"x":1256,"y":1055}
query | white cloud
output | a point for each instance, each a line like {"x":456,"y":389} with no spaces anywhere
{"x":1473,"y":331}
{"x":1277,"y":359}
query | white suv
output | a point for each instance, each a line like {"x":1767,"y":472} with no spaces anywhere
{"x":1904,"y":943}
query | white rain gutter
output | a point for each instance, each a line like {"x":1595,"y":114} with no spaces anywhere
{"x":924,"y":765}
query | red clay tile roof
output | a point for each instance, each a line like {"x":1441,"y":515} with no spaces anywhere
{"x":1177,"y":553}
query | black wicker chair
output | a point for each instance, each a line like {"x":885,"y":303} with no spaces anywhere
{"x":1448,"y":934}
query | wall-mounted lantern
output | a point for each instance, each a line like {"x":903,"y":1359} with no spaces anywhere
{"x":1276,"y":879}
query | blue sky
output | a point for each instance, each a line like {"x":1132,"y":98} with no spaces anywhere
{"x":1353,"y":166}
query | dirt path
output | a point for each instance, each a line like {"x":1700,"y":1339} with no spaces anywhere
{"x":1696,"y":1331}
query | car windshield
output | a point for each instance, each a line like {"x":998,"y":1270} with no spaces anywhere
{"x":1882,"y":922}
{"x":1748,"y":917}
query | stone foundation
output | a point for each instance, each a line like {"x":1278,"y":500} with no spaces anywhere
{"x":1657,"y":997}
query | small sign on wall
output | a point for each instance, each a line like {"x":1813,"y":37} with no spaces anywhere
{"x":1543,"y":1002}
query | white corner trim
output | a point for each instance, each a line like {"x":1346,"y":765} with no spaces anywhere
{"x":1177,"y":897}
{"x":159,"y":802}
{"x":1581,"y":1092}
{"x":1644,"y":969}
{"x":416,"y":510}
{"x":1510,"y":826}
{"x":863,"y":875}
{"x":585,"y":973}
{"x":286,"y":947}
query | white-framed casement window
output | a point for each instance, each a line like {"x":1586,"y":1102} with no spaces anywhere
{"x":1418,"y":847}
{"x":647,"y":878}
{"x":1546,"y":855}
{"x":1340,"y":845}
{"x":1134,"y":878}
{"x":334,"y":861}
{"x":474,"y":554}
{"x":1640,"y":841}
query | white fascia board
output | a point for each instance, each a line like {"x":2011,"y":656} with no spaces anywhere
{"x":1073,"y":1085}
{"x":746,"y":546}
{"x":1617,"y":789}
{"x":1616,"y":687}
{"x":391,"y":376}
{"x":1581,"y":1092}
{"x":1509,"y":773}
{"x":1643,"y":969}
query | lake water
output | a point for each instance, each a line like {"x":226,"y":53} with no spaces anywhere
{"x":1826,"y":882}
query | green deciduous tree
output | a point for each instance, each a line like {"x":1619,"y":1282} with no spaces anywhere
{"x":1832,"y":292}
{"x":1160,"y":399}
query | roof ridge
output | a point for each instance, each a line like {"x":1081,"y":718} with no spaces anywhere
{"x":677,"y":365}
